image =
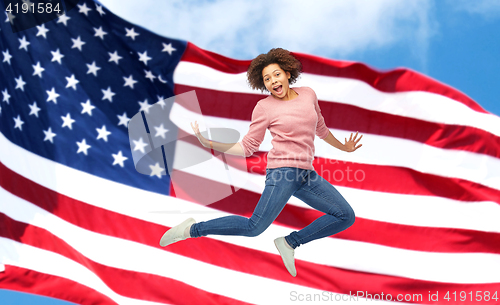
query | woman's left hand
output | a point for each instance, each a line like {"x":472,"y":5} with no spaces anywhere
{"x":350,"y":145}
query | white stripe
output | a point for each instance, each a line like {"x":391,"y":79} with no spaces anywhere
{"x":379,"y":150}
{"x":127,"y":255}
{"x":395,"y":208}
{"x":24,"y":256}
{"x":415,"y":104}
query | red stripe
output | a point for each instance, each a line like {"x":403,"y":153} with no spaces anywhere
{"x":30,"y":281}
{"x":130,"y":284}
{"x":419,"y":238}
{"x":239,"y":106}
{"x":380,"y":178}
{"x":401,"y":180}
{"x":397,"y":80}
{"x":222,"y":254}
{"x":213,"y":60}
{"x":409,"y":237}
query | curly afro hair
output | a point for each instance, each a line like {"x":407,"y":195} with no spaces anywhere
{"x":279,"y":56}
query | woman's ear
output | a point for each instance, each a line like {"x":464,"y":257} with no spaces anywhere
{"x":288,"y":75}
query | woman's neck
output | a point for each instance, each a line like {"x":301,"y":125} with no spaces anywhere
{"x":290,"y":95}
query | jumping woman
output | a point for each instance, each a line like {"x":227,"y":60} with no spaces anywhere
{"x":293,"y":117}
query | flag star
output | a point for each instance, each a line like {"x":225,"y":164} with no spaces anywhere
{"x":114,"y":57}
{"x":6,"y":96}
{"x":139,"y":145}
{"x":24,"y":43}
{"x":150,"y":75}
{"x":77,"y":43}
{"x":129,"y":81}
{"x":103,"y":133}
{"x":99,"y":32}
{"x":145,"y":106}
{"x":52,"y":95}
{"x":82,"y":147}
{"x":20,"y":83}
{"x":123,"y":119}
{"x":42,"y":30}
{"x":38,"y":69}
{"x":10,"y":17}
{"x":156,"y":170}
{"x":67,"y":121}
{"x":108,"y":94}
{"x":57,"y":56}
{"x":87,"y":107}
{"x":34,"y":109}
{"x":93,"y":68}
{"x":131,"y":33}
{"x":18,"y":122}
{"x":144,"y":57}
{"x":168,"y":48}
{"x":100,"y":10}
{"x":161,"y":131}
{"x":84,"y":9}
{"x":49,"y":135}
{"x":63,"y":19}
{"x":6,"y":56}
{"x":72,"y":81}
{"x":161,"y":101}
{"x":119,"y":158}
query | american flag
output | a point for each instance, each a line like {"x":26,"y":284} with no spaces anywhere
{"x":79,"y":223}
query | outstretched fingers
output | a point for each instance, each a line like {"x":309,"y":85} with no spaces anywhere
{"x":356,"y":142}
{"x":195,"y":126}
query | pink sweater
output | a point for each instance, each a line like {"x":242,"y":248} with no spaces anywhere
{"x":292,"y":124}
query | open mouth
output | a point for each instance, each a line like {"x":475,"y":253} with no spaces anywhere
{"x":278,"y":89}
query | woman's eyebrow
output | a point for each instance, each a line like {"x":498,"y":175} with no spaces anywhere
{"x":271,"y":72}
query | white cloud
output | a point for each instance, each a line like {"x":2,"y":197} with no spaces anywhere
{"x":486,"y":8}
{"x":243,"y":29}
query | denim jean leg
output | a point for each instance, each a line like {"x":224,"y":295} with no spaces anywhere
{"x":322,"y":196}
{"x":280,"y":185}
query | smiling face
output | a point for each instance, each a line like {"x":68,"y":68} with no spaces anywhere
{"x":276,"y":81}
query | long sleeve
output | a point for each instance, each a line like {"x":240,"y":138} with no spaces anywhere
{"x":251,"y":141}
{"x":322,"y":130}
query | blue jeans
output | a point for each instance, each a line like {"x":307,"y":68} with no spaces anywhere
{"x":281,"y":184}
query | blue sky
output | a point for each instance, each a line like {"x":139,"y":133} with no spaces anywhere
{"x":454,"y":41}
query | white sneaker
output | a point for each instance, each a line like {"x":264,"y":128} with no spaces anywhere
{"x":176,"y":233}
{"x":286,"y":255}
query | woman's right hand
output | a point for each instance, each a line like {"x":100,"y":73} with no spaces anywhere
{"x":196,"y":130}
